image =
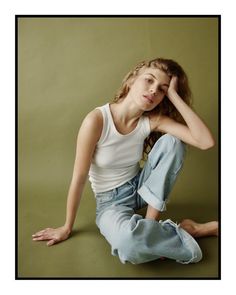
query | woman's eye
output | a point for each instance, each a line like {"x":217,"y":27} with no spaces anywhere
{"x":162,"y":90}
{"x":149,"y":80}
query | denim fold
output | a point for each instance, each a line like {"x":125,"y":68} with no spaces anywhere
{"x":138,"y":240}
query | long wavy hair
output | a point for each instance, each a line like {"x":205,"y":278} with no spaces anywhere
{"x":171,"y":68}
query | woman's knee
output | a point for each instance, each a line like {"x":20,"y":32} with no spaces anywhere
{"x":168,"y":144}
{"x":171,"y":144}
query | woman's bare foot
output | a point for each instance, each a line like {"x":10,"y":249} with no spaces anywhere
{"x":200,"y":229}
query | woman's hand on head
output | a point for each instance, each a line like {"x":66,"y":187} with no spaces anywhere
{"x":53,"y":236}
{"x":173,"y":87}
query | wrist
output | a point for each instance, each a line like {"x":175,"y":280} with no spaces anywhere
{"x":67,"y":228}
{"x":172,"y":95}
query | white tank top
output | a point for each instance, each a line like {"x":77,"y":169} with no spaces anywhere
{"x":116,"y":157}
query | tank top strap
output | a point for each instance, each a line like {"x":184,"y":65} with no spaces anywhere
{"x":105,"y":128}
{"x":146,"y":126}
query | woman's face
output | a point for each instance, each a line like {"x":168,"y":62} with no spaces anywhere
{"x":149,"y":88}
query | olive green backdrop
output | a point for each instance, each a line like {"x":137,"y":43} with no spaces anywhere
{"x":67,"y":67}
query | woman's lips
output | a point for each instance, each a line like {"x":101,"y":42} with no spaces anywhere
{"x":148,"y":98}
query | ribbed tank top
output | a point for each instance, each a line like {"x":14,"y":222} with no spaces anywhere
{"x":116,"y":157}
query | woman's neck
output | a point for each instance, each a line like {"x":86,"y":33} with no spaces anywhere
{"x":126,"y":112}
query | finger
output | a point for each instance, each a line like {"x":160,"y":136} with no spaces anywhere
{"x":44,"y":231}
{"x":39,"y":233}
{"x":42,"y":238}
{"x":51,"y":242}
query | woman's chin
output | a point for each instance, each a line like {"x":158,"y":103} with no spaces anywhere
{"x":146,"y":106}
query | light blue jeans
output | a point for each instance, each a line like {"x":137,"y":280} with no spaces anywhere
{"x":134,"y":238}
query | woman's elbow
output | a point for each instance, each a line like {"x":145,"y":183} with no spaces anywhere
{"x":207,"y":146}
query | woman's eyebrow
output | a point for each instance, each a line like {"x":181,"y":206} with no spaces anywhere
{"x":151,"y":75}
{"x":156,"y":79}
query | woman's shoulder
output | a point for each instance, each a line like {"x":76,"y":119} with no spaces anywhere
{"x":94,"y":118}
{"x":93,"y":123}
{"x":94,"y":115}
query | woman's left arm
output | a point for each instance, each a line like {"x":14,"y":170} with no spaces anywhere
{"x":196,"y":132}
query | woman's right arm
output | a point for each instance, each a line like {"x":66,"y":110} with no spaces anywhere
{"x":88,"y":136}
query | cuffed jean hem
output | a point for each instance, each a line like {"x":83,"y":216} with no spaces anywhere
{"x":192,"y":245}
{"x":151,"y":199}
{"x":188,"y":242}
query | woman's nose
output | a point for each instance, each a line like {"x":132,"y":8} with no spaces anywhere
{"x":152,"y":91}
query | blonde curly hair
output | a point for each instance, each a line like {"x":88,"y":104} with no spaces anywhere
{"x":171,"y":68}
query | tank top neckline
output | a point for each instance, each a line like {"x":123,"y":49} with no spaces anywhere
{"x":114,"y":127}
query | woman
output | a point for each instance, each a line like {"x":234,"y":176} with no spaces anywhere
{"x":154,"y":100}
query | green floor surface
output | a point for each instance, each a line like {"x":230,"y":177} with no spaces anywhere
{"x":86,"y":253}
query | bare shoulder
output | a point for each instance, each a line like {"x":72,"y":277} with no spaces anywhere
{"x":88,"y":136}
{"x":92,"y":124}
{"x":94,"y":118}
